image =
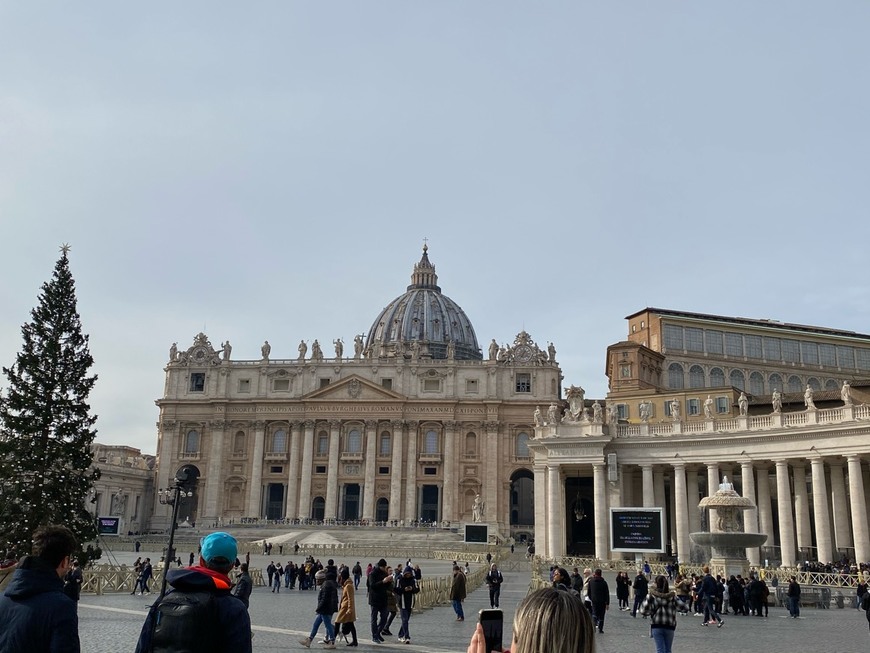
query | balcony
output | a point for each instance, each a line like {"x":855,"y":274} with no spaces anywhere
{"x":430,"y":458}
{"x":275,"y":455}
{"x":188,"y":455}
{"x":351,"y":456}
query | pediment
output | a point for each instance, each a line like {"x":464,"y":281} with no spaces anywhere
{"x":354,"y":388}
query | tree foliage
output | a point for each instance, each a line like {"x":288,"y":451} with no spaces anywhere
{"x":46,"y":429}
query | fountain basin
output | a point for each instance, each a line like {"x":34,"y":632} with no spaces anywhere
{"x":729,"y":540}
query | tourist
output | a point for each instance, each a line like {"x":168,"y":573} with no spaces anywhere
{"x":72,"y":582}
{"x":347,"y":606}
{"x":406,"y":588}
{"x":35,"y":613}
{"x":392,"y":604}
{"x":709,"y":591}
{"x":457,"y":592}
{"x":378,"y":583}
{"x":493,"y":580}
{"x":546,"y":621}
{"x":623,"y":587}
{"x":661,"y":607}
{"x":640,"y":587}
{"x":794,"y":598}
{"x":327,"y":604}
{"x":244,"y":586}
{"x":357,"y":575}
{"x":278,"y":573}
{"x":598,"y":594}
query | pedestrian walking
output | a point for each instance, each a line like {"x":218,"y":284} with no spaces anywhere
{"x":794,"y":598}
{"x":327,"y":605}
{"x":458,"y":592}
{"x":379,"y":582}
{"x":661,"y":605}
{"x":347,"y":607}
{"x":598,"y":594}
{"x":493,"y":580}
{"x":640,"y":587}
{"x":406,"y":588}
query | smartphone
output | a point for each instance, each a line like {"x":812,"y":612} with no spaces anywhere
{"x":492,"y":622}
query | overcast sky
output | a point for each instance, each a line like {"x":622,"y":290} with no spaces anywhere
{"x":269,"y":170}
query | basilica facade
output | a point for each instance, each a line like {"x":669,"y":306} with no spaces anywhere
{"x":413,"y":423}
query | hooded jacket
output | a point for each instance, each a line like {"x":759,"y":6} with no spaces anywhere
{"x":35,"y":613}
{"x":661,"y":608}
{"x":233,"y":622}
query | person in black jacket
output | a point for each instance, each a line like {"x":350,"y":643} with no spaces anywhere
{"x":327,"y":605}
{"x":34,"y":612}
{"x":494,"y":579}
{"x":599,"y":596}
{"x":378,"y":585}
{"x":244,"y":586}
{"x":640,"y":587}
{"x":406,"y":588}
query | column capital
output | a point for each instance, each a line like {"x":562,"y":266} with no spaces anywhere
{"x":308,"y":424}
{"x":854,"y":457}
{"x":371,"y":424}
{"x":335,"y":424}
{"x":450,"y":425}
{"x":397,"y":424}
{"x":679,"y":464}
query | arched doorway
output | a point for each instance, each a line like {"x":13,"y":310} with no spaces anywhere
{"x":579,"y":516}
{"x":522,"y":500}
{"x":318,"y":508}
{"x":188,"y":506}
{"x":382,"y":510}
{"x":350,"y":505}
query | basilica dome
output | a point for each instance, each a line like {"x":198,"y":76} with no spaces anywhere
{"x":423,"y":322}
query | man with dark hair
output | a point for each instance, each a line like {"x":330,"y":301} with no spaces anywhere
{"x":34,"y":612}
{"x":244,"y":586}
{"x":200,"y":613}
{"x":379,"y":585}
{"x":599,"y":597}
{"x":458,"y":592}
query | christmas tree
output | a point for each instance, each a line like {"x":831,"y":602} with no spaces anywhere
{"x":46,"y":429}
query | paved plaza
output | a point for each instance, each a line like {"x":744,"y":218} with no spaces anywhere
{"x":112,"y":623}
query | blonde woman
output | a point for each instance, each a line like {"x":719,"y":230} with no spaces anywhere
{"x":547,"y":621}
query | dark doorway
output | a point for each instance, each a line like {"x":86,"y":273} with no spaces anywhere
{"x":382,"y":511}
{"x":522,"y":498}
{"x":580,"y":516}
{"x":429,"y":503}
{"x":318,"y":508}
{"x":274,"y":501}
{"x":350,"y":509}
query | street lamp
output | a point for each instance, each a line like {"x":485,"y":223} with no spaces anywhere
{"x":171,"y":496}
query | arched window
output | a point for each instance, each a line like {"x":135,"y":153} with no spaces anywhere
{"x":756,"y":383}
{"x":385,"y":444}
{"x":813,"y":382}
{"x":239,"y":442}
{"x":522,"y":445}
{"x":675,"y":376}
{"x":430,"y":444}
{"x":717,"y":377}
{"x":737,"y":379}
{"x":354,"y":441}
{"x":696,"y":376}
{"x":774,"y":382}
{"x":794,"y":384}
{"x":470,"y":444}
{"x":191,"y":442}
{"x":279,"y":441}
{"x":830,"y":384}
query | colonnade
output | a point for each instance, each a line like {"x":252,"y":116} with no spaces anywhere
{"x":830,"y":517}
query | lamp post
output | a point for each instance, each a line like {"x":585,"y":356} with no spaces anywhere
{"x":171,"y":496}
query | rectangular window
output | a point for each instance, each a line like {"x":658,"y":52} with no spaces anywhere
{"x":320,"y":469}
{"x":281,"y":385}
{"x":323,"y":445}
{"x":197,"y":381}
{"x":828,"y":355}
{"x":430,"y":471}
{"x":693,"y":406}
{"x":722,"y":405}
{"x":387,"y":383}
{"x":791,"y":351}
{"x":667,"y":408}
{"x":863,"y":356}
{"x":431,"y":385}
{"x":734,"y":344}
{"x":694,"y":339}
{"x":471,"y":386}
{"x":524,"y":382}
{"x":384,"y":448}
{"x":384,"y":471}
{"x":673,"y":336}
{"x":810,"y":353}
{"x":622,"y":411}
{"x":846,"y":357}
{"x":714,"y":341}
{"x":244,"y":385}
{"x":772,"y":349}
{"x":753,"y":346}
{"x":324,"y":383}
{"x":276,"y":469}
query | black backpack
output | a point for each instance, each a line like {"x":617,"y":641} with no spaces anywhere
{"x":186,"y":622}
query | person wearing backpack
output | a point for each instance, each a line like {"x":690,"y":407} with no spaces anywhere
{"x":494,"y":579}
{"x":199,"y":614}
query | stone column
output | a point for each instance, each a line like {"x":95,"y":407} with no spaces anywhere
{"x":786,"y":516}
{"x":492,"y":461}
{"x":448,"y":493}
{"x":542,"y":525}
{"x":555,"y":512}
{"x":255,"y":491}
{"x":820,"y":512}
{"x":659,"y":492}
{"x":213,"y":482}
{"x":649,"y":496}
{"x":305,"y":473}
{"x":332,"y":468}
{"x":713,"y":487}
{"x":626,"y":475}
{"x":842,"y":529}
{"x":801,"y":506}
{"x":599,"y":492}
{"x":411,"y":473}
{"x":293,"y":471}
{"x":765,"y":508}
{"x":693,"y":499}
{"x":750,"y":517}
{"x":858,"y":504}
{"x":396,"y":473}
{"x":368,"y":511}
{"x":167,"y":448}
{"x":681,"y":508}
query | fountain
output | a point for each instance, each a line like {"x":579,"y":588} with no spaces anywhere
{"x":728,"y":540}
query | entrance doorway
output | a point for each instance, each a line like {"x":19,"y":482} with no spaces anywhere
{"x":274,"y":501}
{"x":579,"y":516}
{"x":350,"y":505}
{"x":522,"y":498}
{"x":429,"y":503}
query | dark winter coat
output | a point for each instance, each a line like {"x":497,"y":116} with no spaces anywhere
{"x":378,"y":589}
{"x":640,"y":585}
{"x":233,"y":620}
{"x":243,"y":588}
{"x":327,"y":600}
{"x":35,"y":614}
{"x":406,"y":588}
{"x":598,"y":591}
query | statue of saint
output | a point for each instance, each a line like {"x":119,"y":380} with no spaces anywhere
{"x":743,"y":403}
{"x":119,"y":503}
{"x":597,"y":413}
{"x":539,"y":416}
{"x":339,"y":348}
{"x":173,"y":352}
{"x":551,"y":352}
{"x":415,"y":350}
{"x":675,"y":409}
{"x":553,"y":415}
{"x":302,"y":349}
{"x":451,"y":350}
{"x":645,"y":409}
{"x":493,"y":350}
{"x":808,"y":398}
{"x":708,"y":407}
{"x":613,"y":413}
{"x":776,"y":401}
{"x":316,"y":352}
{"x":265,"y":350}
{"x":357,"y":346}
{"x":478,"y":509}
{"x":228,"y":349}
{"x":846,"y":393}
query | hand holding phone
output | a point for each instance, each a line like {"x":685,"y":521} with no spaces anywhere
{"x":492,"y":622}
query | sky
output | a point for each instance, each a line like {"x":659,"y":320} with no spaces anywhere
{"x":270,"y":170}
